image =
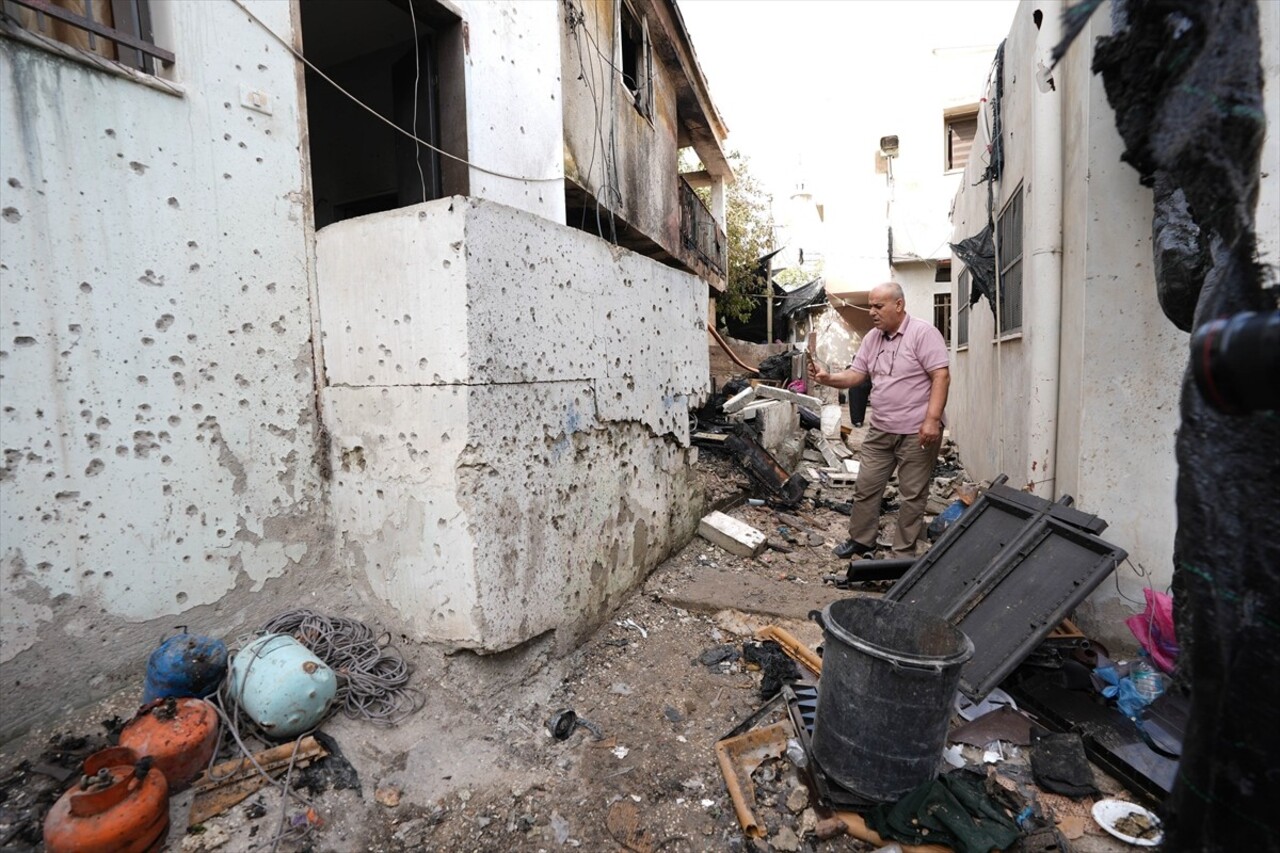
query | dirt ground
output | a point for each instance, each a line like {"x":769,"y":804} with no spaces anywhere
{"x":477,"y":769}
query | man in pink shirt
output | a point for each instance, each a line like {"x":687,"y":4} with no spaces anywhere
{"x":906,"y":359}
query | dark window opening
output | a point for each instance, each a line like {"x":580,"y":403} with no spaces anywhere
{"x":637,"y":61}
{"x":119,"y":30}
{"x":1009,"y":262}
{"x":943,"y":272}
{"x":942,"y":315}
{"x":359,"y":164}
{"x":961,"y":129}
{"x":963,"y":284}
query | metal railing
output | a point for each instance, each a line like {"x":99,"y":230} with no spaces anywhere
{"x":699,"y":232}
{"x":129,"y":30}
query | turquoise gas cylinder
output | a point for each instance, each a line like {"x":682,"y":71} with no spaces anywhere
{"x":282,"y":686}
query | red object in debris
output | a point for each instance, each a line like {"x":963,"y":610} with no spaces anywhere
{"x":121,"y":806}
{"x":179,"y":734}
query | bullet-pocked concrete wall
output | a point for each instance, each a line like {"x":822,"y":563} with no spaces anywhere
{"x":508,"y":400}
{"x":159,"y":421}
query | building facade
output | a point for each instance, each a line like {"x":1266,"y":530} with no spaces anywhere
{"x":264,"y":350}
{"x":1068,"y":381}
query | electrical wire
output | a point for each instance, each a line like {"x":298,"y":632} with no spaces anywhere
{"x":417,"y":73}
{"x":373,"y":679}
{"x":379,"y":116}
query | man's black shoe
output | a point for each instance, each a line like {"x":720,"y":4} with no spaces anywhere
{"x":848,"y":548}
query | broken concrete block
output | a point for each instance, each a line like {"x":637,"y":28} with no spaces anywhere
{"x":777,"y":422}
{"x":823,"y":446}
{"x":739,"y":400}
{"x":770,"y":393}
{"x":732,"y":535}
{"x":852,"y":466}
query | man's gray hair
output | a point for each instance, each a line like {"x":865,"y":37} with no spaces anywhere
{"x":895,"y":290}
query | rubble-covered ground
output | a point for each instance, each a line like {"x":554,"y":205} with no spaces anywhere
{"x":477,"y":770}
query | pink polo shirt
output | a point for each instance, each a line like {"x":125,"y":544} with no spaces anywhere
{"x":899,"y":366}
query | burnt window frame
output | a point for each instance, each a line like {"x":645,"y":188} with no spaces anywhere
{"x":635,"y":58}
{"x":131,"y":32}
{"x":1009,"y":255}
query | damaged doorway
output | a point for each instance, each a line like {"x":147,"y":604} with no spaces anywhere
{"x":359,"y":164}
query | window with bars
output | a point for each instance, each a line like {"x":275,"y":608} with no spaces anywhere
{"x":942,"y":315}
{"x":1009,"y":261}
{"x":964,"y":284}
{"x":961,"y":128}
{"x":119,"y":30}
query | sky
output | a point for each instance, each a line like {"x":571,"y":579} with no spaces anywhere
{"x":797,"y":80}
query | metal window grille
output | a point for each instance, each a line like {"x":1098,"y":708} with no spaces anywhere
{"x":942,"y":315}
{"x":963,"y":285}
{"x":1009,"y":252}
{"x":116,"y":29}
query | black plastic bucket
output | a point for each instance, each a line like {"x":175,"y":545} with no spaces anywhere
{"x":889,"y":677}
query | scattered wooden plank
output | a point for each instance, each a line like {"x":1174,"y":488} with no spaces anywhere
{"x":234,"y":781}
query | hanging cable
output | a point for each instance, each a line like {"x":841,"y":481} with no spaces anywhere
{"x":417,"y":73}
{"x":379,"y":116}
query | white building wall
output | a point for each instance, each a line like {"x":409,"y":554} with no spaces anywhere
{"x":1122,"y":361}
{"x":515,"y":122}
{"x":159,"y":423}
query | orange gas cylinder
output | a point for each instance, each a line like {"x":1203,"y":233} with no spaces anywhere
{"x":120,"y":806}
{"x":180,"y":734}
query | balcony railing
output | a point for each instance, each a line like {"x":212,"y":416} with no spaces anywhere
{"x":699,"y":232}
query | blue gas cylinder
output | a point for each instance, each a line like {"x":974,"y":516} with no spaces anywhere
{"x":185,"y":665}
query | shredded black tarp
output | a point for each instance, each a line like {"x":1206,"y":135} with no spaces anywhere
{"x":805,"y":296}
{"x":1185,"y":80}
{"x":978,"y":253}
{"x":979,"y":256}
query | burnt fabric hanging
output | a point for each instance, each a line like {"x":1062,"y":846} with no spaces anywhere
{"x":978,"y":253}
{"x":1185,"y":80}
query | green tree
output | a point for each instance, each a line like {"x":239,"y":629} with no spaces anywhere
{"x":749,"y":232}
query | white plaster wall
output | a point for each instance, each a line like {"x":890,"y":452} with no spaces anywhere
{"x":918,"y":286}
{"x":525,"y":466}
{"x":514,"y":114}
{"x":1122,"y":361}
{"x":158,"y":396}
{"x":986,"y":408}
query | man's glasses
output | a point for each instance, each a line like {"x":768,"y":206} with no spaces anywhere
{"x":892,"y":357}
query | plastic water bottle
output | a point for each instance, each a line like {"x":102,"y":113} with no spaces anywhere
{"x":1146,"y":680}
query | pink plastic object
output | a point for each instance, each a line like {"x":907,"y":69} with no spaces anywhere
{"x":1153,"y":628}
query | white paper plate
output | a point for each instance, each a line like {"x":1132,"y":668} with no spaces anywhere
{"x":1107,"y":812}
